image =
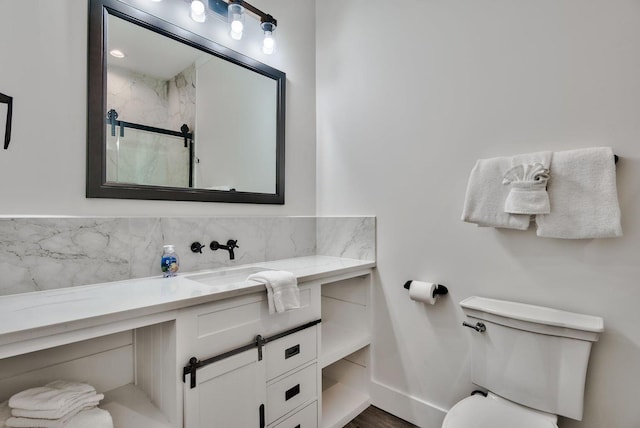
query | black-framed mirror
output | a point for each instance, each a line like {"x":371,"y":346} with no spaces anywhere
{"x":177,"y":116}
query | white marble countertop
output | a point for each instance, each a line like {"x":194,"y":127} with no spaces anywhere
{"x":46,"y":313}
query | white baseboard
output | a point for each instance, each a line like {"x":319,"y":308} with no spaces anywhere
{"x":405,"y":406}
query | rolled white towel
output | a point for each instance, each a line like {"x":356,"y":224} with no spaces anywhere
{"x":282,"y":289}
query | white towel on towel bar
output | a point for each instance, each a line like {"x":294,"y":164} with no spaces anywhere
{"x":486,"y":194}
{"x":583,"y":194}
{"x":282,"y":289}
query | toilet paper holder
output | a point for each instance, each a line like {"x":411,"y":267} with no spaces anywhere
{"x":439,"y":290}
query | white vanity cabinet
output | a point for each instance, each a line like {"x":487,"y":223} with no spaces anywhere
{"x":305,"y":368}
{"x":245,"y":367}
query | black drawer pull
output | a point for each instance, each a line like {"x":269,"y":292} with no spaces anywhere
{"x":290,"y":352}
{"x":292,"y":392}
{"x":297,"y":426}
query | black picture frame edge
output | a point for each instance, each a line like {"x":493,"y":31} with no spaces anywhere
{"x":96,"y":184}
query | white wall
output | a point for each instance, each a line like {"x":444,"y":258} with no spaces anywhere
{"x":409,"y":95}
{"x":231,"y":152}
{"x":43,"y":53}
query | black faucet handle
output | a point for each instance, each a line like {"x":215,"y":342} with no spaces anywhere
{"x":196,"y":247}
{"x":232,"y":243}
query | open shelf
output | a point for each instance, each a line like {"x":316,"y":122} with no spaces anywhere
{"x":338,"y":342}
{"x":130,"y":407}
{"x":340,"y":404}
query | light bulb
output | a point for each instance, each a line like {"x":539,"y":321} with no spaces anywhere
{"x":198,"y":11}
{"x":236,"y":30}
{"x":236,"y":20}
{"x":268,"y":25}
{"x":269,"y":43}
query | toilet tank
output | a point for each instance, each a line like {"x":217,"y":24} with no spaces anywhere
{"x":532,"y":355}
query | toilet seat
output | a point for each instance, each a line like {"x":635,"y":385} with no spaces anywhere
{"x":495,"y":412}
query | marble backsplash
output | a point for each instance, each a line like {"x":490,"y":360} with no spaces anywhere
{"x":39,"y":253}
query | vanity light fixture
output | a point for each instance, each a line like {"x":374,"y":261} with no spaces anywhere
{"x":233,"y":11}
{"x":269,"y":27}
{"x":235,"y":17}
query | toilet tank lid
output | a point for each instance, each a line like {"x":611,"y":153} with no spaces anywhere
{"x":535,"y":314}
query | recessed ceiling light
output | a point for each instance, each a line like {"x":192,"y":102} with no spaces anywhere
{"x":116,"y":53}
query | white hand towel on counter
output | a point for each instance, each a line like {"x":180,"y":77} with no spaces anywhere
{"x":282,"y":289}
{"x":583,"y":194}
{"x":486,"y":194}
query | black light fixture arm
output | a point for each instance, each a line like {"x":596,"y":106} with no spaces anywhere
{"x":264,"y":17}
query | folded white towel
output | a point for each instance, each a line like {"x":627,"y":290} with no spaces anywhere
{"x":53,"y":396}
{"x":584,"y":196}
{"x":43,"y":423}
{"x":71,"y":386}
{"x":486,"y":194}
{"x":82,"y":402}
{"x":282,"y":289}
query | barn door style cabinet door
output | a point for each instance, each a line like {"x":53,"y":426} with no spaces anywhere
{"x":227,"y":393}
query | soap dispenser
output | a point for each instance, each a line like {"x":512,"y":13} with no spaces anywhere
{"x":169,"y":262}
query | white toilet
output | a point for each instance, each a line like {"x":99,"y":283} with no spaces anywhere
{"x":532,"y":360}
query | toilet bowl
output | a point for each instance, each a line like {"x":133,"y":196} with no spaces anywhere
{"x":532,"y":360}
{"x":492,"y":411}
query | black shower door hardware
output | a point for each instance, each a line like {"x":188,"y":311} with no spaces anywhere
{"x":6,"y":99}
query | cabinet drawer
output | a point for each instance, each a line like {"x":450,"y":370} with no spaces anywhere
{"x":218,"y":327}
{"x":305,"y":418}
{"x":291,"y":351}
{"x":291,"y":392}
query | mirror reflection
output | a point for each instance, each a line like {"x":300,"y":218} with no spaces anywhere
{"x":181,"y":117}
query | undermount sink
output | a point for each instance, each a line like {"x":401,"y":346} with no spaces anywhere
{"x":225,"y":277}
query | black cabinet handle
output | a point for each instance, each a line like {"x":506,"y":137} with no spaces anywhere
{"x":292,"y":392}
{"x":290,"y":352}
{"x":297,"y":426}
{"x":262,"y":418}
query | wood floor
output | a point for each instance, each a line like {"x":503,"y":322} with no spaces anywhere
{"x":377,"y":418}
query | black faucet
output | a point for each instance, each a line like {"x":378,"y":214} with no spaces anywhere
{"x":231,"y":244}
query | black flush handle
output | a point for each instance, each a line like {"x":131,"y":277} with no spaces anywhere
{"x":290,"y":393}
{"x":290,"y":352}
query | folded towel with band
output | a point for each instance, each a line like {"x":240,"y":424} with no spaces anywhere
{"x":486,"y":194}
{"x":583,"y":194}
{"x":528,"y":189}
{"x":282,"y":289}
